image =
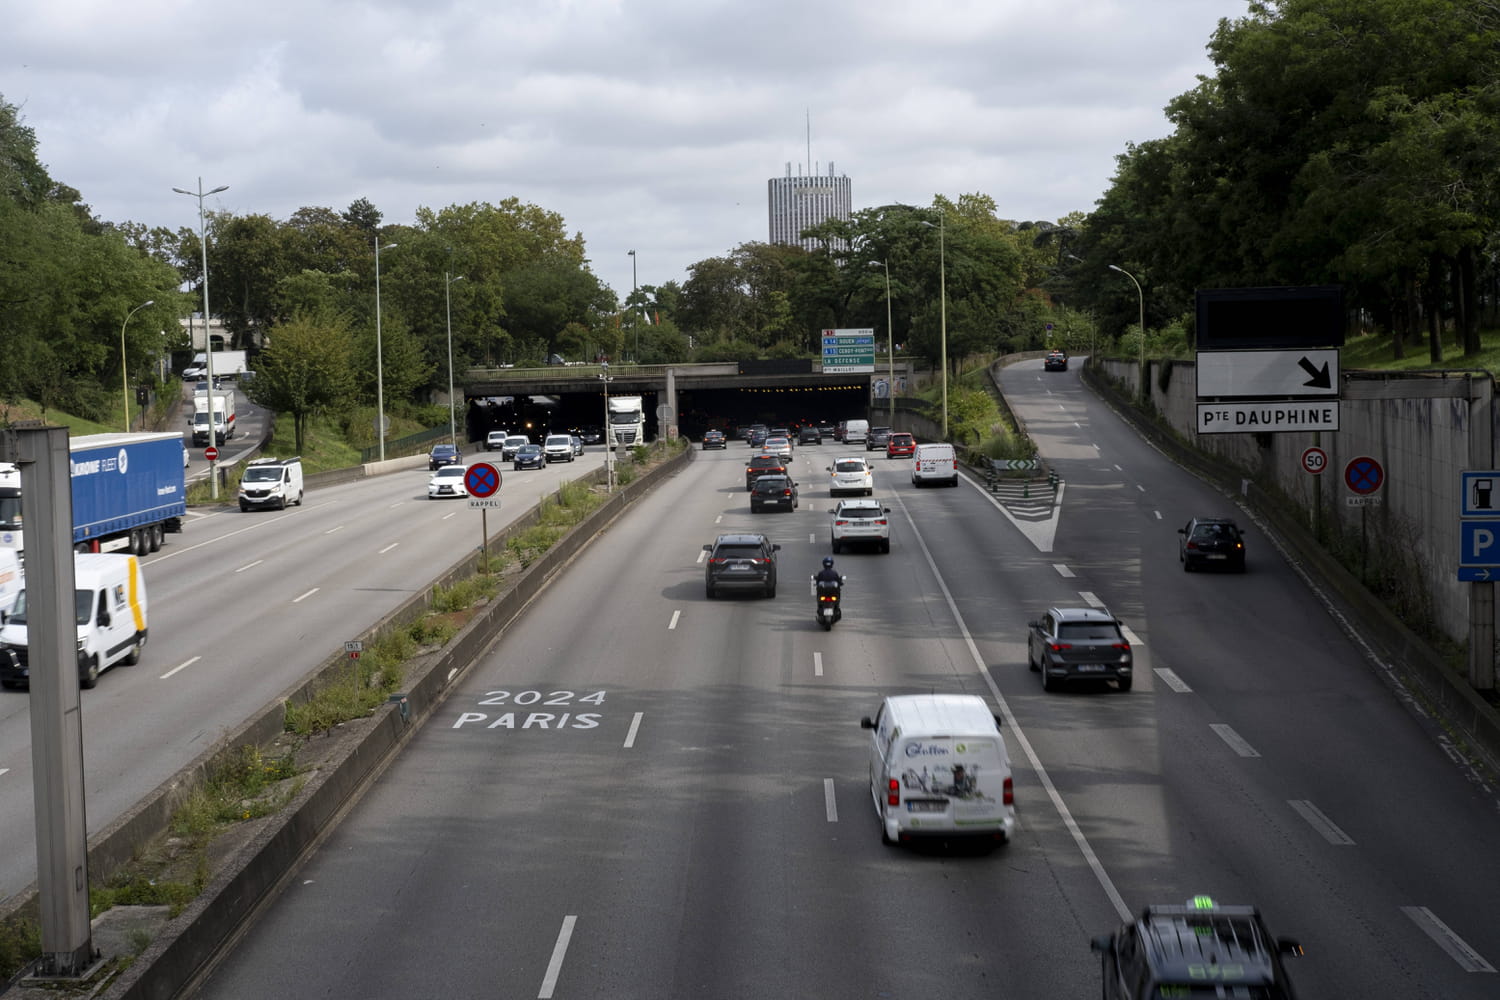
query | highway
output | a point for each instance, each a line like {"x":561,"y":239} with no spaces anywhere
{"x":643,"y":793}
{"x":242,"y":606}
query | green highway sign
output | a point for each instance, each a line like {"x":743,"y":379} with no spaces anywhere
{"x":849,"y":351}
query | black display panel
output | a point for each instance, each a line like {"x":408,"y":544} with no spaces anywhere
{"x":1283,"y":317}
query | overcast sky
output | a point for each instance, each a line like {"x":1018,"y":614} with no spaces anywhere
{"x":650,"y":125}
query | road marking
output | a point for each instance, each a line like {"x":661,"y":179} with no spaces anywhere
{"x":1467,"y":958}
{"x":4,"y":771}
{"x":1325,"y":826}
{"x":1157,"y":513}
{"x":387,"y":548}
{"x":554,"y":967}
{"x":719,"y":519}
{"x":1131,"y":637}
{"x":811,"y":538}
{"x":451,"y":513}
{"x":635,"y":725}
{"x":1139,"y":487}
{"x":1090,"y":599}
{"x":830,"y":805}
{"x":306,"y":595}
{"x":1170,"y":679}
{"x":396,"y":504}
{"x":702,"y":554}
{"x":673,"y":623}
{"x":180,"y":666}
{"x":1063,"y":571}
{"x":332,"y":530}
{"x":817,"y":664}
{"x":249,"y":565}
{"x":1236,"y":742}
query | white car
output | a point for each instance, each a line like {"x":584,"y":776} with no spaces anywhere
{"x":858,"y":522}
{"x":447,"y":482}
{"x":494,"y":440}
{"x":558,"y":448}
{"x":850,"y":474}
{"x":513,"y":443}
{"x":781,"y":446}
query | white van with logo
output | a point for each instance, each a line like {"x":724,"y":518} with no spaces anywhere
{"x":855,"y":431}
{"x":939,"y":768}
{"x":934,"y":463}
{"x":109,"y":599}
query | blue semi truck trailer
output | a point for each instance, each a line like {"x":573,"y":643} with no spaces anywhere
{"x":129,"y":490}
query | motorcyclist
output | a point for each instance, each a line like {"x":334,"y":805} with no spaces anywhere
{"x":828,"y":576}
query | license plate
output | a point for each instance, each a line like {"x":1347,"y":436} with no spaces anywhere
{"x":1091,"y":668}
{"x":926,"y":806}
{"x":1217,"y":555}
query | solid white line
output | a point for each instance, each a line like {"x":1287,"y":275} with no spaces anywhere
{"x":1467,"y":958}
{"x":306,"y":595}
{"x":1090,"y":599}
{"x":1063,"y":571}
{"x":830,"y":806}
{"x":180,"y":666}
{"x":451,"y":513}
{"x":673,"y":623}
{"x":817,"y":664}
{"x":249,"y":565}
{"x":1170,"y":678}
{"x":554,"y":967}
{"x":333,"y":529}
{"x":387,"y":548}
{"x":1325,"y":826}
{"x":1236,"y":742}
{"x":635,"y":725}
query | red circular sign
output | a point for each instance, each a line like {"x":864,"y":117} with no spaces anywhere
{"x":482,"y":480}
{"x":1364,"y":475}
{"x":210,"y":453}
{"x":1314,"y":460}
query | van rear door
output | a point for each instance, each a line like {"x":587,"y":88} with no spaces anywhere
{"x":950,"y":782}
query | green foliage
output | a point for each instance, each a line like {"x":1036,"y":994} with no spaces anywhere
{"x":20,"y":943}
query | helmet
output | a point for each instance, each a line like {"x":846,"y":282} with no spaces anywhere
{"x":828,"y":562}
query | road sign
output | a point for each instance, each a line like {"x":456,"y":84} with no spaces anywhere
{"x":211,"y":453}
{"x":1481,"y":494}
{"x":1314,"y":461}
{"x":482,"y":480}
{"x":1479,"y":543}
{"x":1258,"y":374}
{"x":849,"y":351}
{"x":1267,"y":418}
{"x":354,"y":649}
{"x":1363,"y":475}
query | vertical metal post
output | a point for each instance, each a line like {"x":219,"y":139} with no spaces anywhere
{"x":1481,"y":593}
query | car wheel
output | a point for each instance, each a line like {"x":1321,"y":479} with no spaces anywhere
{"x":771,"y":590}
{"x":1124,"y":684}
{"x":838,"y":546}
{"x":89,"y":677}
{"x":953,"y":482}
{"x":708,"y":591}
{"x":1030,"y":663}
{"x":1187,"y":567}
{"x":885,"y":545}
{"x":135,"y":652}
{"x":870,"y":492}
{"x":1241,"y":567}
{"x":1048,"y":684}
{"x":299,"y":498}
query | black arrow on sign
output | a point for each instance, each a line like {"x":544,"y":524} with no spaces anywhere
{"x":1320,"y":379}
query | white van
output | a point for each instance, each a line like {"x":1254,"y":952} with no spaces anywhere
{"x":939,"y":768}
{"x":10,"y":580}
{"x":109,"y":599}
{"x":855,"y":431}
{"x":934,"y":462}
{"x":271,"y":482}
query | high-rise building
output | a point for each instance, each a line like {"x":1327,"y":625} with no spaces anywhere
{"x":797,"y":202}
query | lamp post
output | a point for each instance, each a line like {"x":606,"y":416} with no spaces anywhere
{"x":379,"y":358}
{"x":943,"y":311}
{"x":635,"y":320}
{"x":609,"y":469}
{"x":208,"y":331}
{"x":448,"y":281}
{"x":1141,"y":298}
{"x":890,"y":345}
{"x":124,"y":378}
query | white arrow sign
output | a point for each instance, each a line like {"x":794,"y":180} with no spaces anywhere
{"x":1258,"y":374}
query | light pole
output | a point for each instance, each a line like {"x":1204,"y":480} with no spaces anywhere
{"x":208,"y":330}
{"x":609,"y":469}
{"x":890,"y":345}
{"x":448,"y":281}
{"x":635,"y":320}
{"x":1141,"y":297}
{"x":379,"y":359}
{"x":124,"y":378}
{"x":943,"y":311}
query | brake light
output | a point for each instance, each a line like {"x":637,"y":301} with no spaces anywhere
{"x":840,"y":524}
{"x":1119,"y":645}
{"x":882,"y":521}
{"x":1008,"y":796}
{"x":893,"y":793}
{"x":1192,"y":545}
{"x":1058,"y":647}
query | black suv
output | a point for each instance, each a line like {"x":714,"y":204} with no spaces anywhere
{"x":1198,"y":950}
{"x":764,"y":465}
{"x":1078,"y":644}
{"x":773,"y":492}
{"x":1211,"y":541}
{"x":745,"y":562}
{"x":809,"y":434}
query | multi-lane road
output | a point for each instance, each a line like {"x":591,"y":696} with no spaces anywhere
{"x":640,"y":792}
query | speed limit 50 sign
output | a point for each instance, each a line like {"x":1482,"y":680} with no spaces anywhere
{"x":1314,"y":461}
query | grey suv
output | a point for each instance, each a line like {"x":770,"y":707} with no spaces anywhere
{"x":1069,"y":644}
{"x":740,"y":562}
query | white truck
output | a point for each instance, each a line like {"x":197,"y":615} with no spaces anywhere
{"x":627,"y":422}
{"x":227,"y":364}
{"x":223,"y":406}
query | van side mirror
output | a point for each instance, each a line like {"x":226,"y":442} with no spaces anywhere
{"x":867,"y":723}
{"x":1182,"y":531}
{"x":104,"y":619}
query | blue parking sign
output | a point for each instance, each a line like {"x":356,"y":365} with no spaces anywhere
{"x":1479,"y":543}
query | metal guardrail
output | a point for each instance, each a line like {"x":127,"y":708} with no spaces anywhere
{"x":408,"y":445}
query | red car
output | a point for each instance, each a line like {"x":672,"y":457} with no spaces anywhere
{"x":900,"y":445}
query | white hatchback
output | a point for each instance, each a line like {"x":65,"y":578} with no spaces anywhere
{"x":861,"y":521}
{"x":850,"y":474}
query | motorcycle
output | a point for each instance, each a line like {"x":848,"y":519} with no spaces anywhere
{"x":828,"y":594}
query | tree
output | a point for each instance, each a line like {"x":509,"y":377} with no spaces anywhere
{"x":308,"y":367}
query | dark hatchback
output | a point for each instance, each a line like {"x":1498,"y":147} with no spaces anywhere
{"x":773,"y":493}
{"x":443,"y":454}
{"x":529,"y":456}
{"x":1055,"y":361}
{"x":740,"y":562}
{"x":809,"y":434}
{"x":1211,"y":542}
{"x":764,"y":465}
{"x":713,"y":439}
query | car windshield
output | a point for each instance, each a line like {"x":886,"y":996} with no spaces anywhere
{"x":773,"y":483}
{"x":1088,"y":630}
{"x":450,"y":472}
{"x":262,"y":474}
{"x":849,"y":465}
{"x":516,"y":439}
{"x":848,"y":511}
{"x":83,"y":608}
{"x":1207,"y":531}
{"x":560,"y":440}
{"x":530,"y":449}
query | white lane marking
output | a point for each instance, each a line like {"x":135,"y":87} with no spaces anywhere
{"x":554,"y":967}
{"x":1170,"y":679}
{"x":811,"y":538}
{"x":333,"y":529}
{"x":451,"y":513}
{"x":1084,"y":847}
{"x":451,"y":674}
{"x":4,"y":771}
{"x":1236,"y":742}
{"x":1131,"y":637}
{"x":180,"y":666}
{"x":1321,"y":823}
{"x":249,"y":565}
{"x":1467,"y":958}
{"x":1139,"y":487}
{"x":817,"y":664}
{"x":1157,"y":513}
{"x":1063,"y":571}
{"x":1118,"y":469}
{"x":396,"y":504}
{"x":830,"y":806}
{"x":702,"y":554}
{"x":719,"y":519}
{"x":306,"y":595}
{"x":260,"y":522}
{"x":387,"y":548}
{"x":1090,"y":598}
{"x":673,"y":623}
{"x":635,"y":725}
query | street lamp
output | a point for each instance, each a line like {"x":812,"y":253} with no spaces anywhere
{"x":609,"y":469}
{"x":1141,"y":297}
{"x":890,"y":344}
{"x":635,"y":320}
{"x":125,"y":379}
{"x":943,"y":312}
{"x":379,"y":359}
{"x":448,"y":281}
{"x":208,"y":330}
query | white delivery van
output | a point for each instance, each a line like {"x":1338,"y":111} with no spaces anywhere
{"x":855,"y":431}
{"x":10,"y":580}
{"x":271,"y":482}
{"x":939,"y":768}
{"x":109,"y":600}
{"x":934,"y":463}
